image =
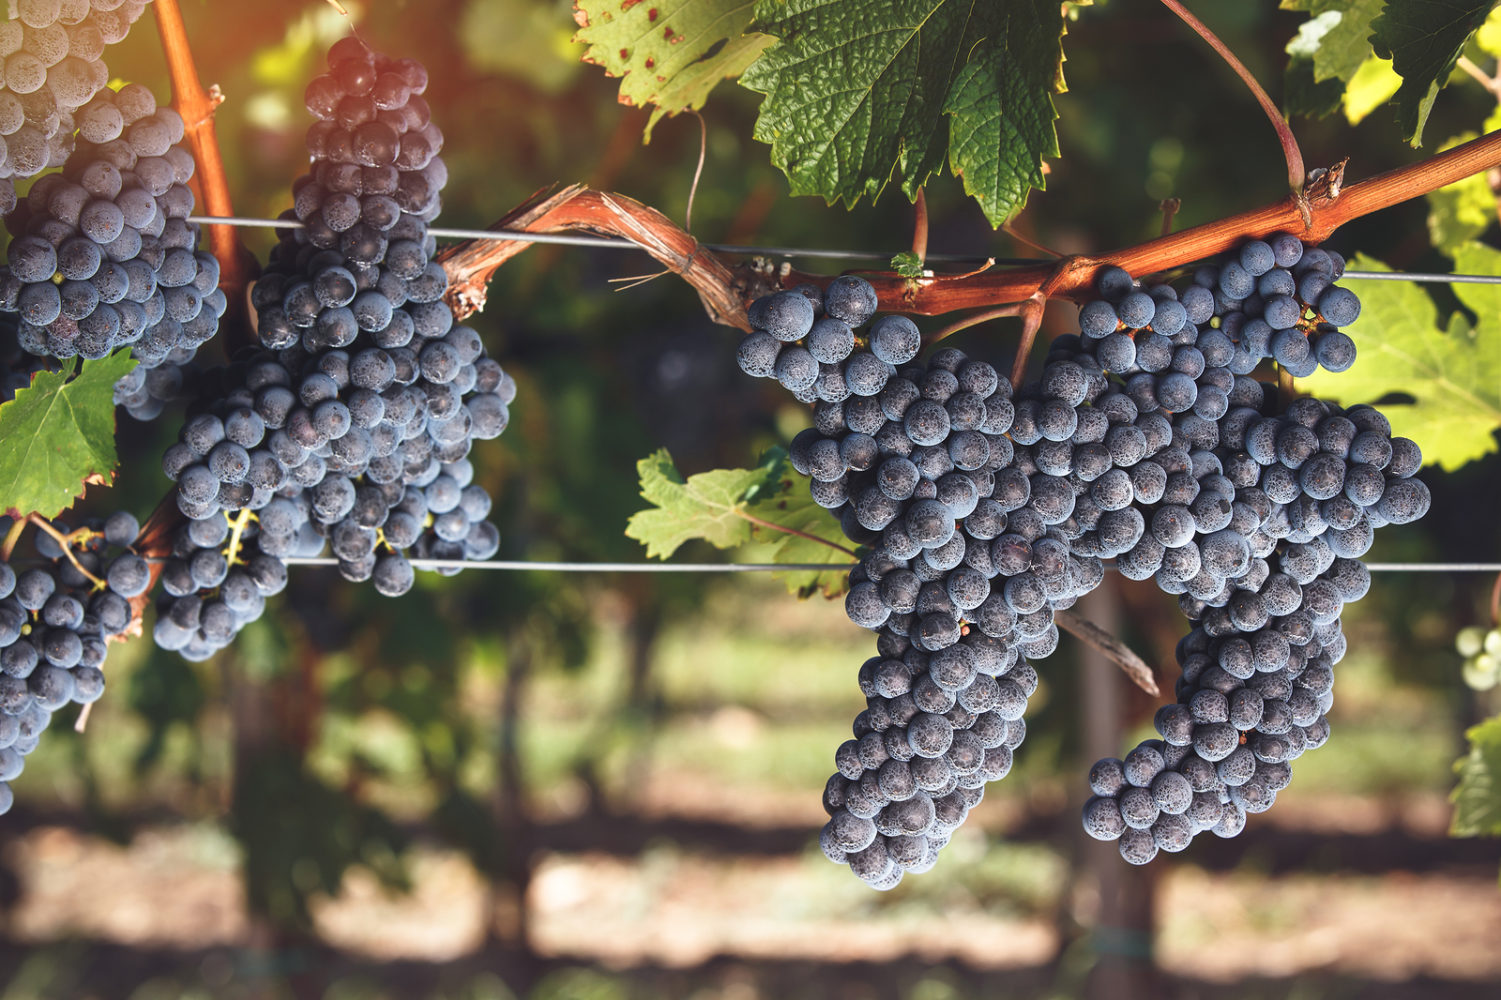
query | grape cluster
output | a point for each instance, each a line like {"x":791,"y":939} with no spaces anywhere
{"x":52,"y":76}
{"x":1481,"y":649}
{"x":102,"y":255}
{"x":1249,"y":702}
{"x":983,"y":511}
{"x":351,"y":425}
{"x":55,"y":620}
{"x":1255,"y":513}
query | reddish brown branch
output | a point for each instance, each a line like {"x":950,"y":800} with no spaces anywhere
{"x":726,"y":291}
{"x":471,"y":263}
{"x":1289,"y":142}
{"x":237,"y":265}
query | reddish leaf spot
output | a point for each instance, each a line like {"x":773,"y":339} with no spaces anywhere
{"x":650,"y":62}
{"x":667,"y":33}
{"x":623,"y":54}
{"x":626,"y":5}
{"x":651,"y":15}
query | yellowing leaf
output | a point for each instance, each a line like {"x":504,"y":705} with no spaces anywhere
{"x":1489,"y":35}
{"x":790,"y":506}
{"x":707,"y":505}
{"x":57,"y":435}
{"x":1336,"y":38}
{"x":1452,"y":373}
{"x":1460,"y":212}
{"x":668,"y":53}
{"x":1373,"y":85}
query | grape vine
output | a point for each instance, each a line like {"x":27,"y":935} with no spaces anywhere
{"x":980,"y":505}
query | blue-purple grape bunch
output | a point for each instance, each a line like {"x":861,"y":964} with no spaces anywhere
{"x":982,"y":510}
{"x":1256,"y":515}
{"x":350,"y":426}
{"x":57,"y":615}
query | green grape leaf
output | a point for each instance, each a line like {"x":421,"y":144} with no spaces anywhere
{"x":907,"y":264}
{"x":1460,"y":212}
{"x":1000,"y":120}
{"x":790,"y":506}
{"x":1452,"y":372}
{"x":1477,"y":797}
{"x":857,"y":90}
{"x":1336,"y":37}
{"x":58,"y":436}
{"x":668,"y":53}
{"x":707,"y":505}
{"x":1424,"y":39}
{"x":729,"y":508}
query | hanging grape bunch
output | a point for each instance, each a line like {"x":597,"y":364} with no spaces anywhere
{"x":984,"y":510}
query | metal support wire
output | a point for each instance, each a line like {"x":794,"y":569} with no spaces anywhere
{"x":591,"y":567}
{"x":611,"y":243}
{"x":1423,"y":276}
{"x":619,"y":567}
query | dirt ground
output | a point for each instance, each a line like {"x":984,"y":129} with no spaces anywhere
{"x":178,"y":888}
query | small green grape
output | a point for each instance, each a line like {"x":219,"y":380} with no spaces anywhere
{"x":1470,"y":641}
{"x":1493,"y":642}
{"x":1482,"y":672}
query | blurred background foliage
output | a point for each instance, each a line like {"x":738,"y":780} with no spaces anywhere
{"x":544,"y":785}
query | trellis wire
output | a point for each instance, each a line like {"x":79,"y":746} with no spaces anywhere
{"x":622,"y":567}
{"x":611,"y":243}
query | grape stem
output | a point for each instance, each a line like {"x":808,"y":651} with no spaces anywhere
{"x":11,"y":538}
{"x":237,"y":526}
{"x":975,"y":319}
{"x":773,"y":526}
{"x":67,"y":546}
{"x":920,"y":227}
{"x":1286,"y":385}
{"x":237,"y":265}
{"x":1170,"y":208}
{"x":1118,"y":652}
{"x":1290,"y":150}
